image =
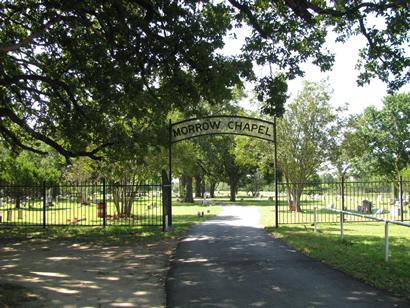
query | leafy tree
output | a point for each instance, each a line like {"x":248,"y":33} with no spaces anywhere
{"x":83,"y":76}
{"x":385,"y":137}
{"x":286,"y":33}
{"x":80,"y":171}
{"x":209,"y":161}
{"x":201,"y":160}
{"x":224,"y":146}
{"x":185,"y":158}
{"x":305,"y":136}
{"x":25,"y":169}
{"x":256,"y":156}
{"x":125,"y":176}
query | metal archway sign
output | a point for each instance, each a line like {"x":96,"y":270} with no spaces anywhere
{"x":216,"y":125}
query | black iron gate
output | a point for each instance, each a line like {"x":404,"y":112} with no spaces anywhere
{"x":86,"y":204}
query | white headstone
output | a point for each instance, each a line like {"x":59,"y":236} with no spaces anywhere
{"x":379,"y":211}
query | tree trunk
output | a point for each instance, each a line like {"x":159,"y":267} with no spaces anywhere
{"x":189,"y":193}
{"x":212,"y":186}
{"x":233,"y":185}
{"x":296,"y":195}
{"x":203,"y":189}
{"x":288,"y":193}
{"x":395,"y":190}
{"x":124,"y":196}
{"x":182,"y":185}
{"x":198,"y":186}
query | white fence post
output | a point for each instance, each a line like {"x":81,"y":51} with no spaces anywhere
{"x":386,"y":228}
{"x":315,"y":218}
{"x":386,"y":241}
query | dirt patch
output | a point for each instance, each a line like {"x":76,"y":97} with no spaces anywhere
{"x":12,"y":295}
{"x":79,"y":274}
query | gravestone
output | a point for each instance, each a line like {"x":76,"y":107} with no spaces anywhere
{"x":20,"y":214}
{"x":395,"y":210}
{"x":366,"y":206}
{"x":379,"y":211}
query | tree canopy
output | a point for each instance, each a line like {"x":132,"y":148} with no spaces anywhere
{"x":306,"y":136}
{"x":384,"y":137}
{"x":87,"y":77}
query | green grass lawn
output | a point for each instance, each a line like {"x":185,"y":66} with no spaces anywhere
{"x":184,"y":215}
{"x":145,"y":210}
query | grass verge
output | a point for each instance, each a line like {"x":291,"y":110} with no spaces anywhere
{"x":184,"y":215}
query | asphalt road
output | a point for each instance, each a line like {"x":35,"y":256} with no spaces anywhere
{"x":231,"y":262}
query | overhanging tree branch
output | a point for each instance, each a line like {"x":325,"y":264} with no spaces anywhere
{"x":39,"y":136}
{"x":11,"y":47}
{"x":10,"y":136}
{"x":52,"y":82}
{"x":251,"y":17}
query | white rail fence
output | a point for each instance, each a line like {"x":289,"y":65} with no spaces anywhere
{"x":386,"y":226}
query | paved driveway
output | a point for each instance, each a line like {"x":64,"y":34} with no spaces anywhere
{"x":230,"y":261}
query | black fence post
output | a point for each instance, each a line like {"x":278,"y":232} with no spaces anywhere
{"x":401,"y":197}
{"x":169,"y":178}
{"x":166,"y":202}
{"x":104,"y":205}
{"x":44,"y":203}
{"x":164,"y":207}
{"x":275,"y":143}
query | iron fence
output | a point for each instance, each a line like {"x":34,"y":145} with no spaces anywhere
{"x":101,"y":204}
{"x":86,"y":204}
{"x":383,"y":199}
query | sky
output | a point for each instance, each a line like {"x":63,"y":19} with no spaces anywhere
{"x":342,"y":77}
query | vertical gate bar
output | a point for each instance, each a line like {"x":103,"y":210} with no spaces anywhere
{"x":164,"y":200}
{"x":401,"y":197}
{"x":275,"y":142}
{"x":104,"y":205}
{"x":341,"y":226}
{"x":169,"y":212}
{"x":154,"y":196}
{"x":386,"y":241}
{"x":315,"y":218}
{"x":44,"y":204}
